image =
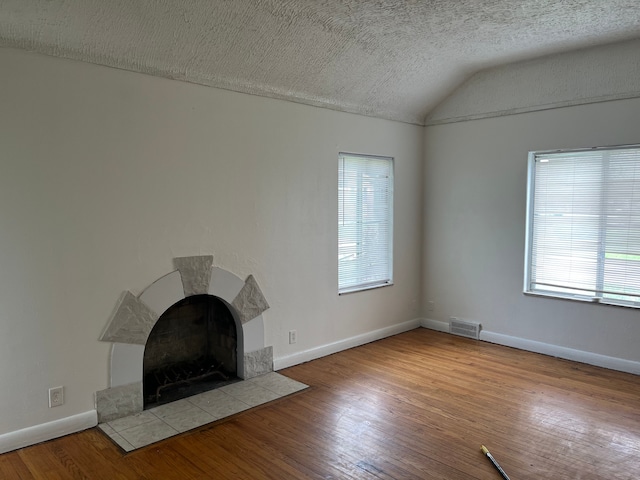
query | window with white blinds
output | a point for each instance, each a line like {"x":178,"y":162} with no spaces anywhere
{"x":365,"y":222}
{"x":583,"y":229}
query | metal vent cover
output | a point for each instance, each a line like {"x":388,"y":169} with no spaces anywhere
{"x":464,"y":328}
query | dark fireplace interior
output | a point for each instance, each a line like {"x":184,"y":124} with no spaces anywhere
{"x":191,"y":349}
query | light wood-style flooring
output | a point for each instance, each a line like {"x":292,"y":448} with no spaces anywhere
{"x":413,"y":406}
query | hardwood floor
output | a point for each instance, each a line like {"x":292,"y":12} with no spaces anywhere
{"x":417,"y":405}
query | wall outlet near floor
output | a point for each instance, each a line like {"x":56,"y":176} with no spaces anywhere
{"x":431,"y":305}
{"x":56,"y":396}
{"x":293,"y":337}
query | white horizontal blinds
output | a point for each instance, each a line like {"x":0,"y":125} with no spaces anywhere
{"x":566,"y":223}
{"x":621,"y":269}
{"x":365,"y":221}
{"x":586,"y":224}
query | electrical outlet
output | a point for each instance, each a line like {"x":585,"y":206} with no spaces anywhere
{"x":56,"y":396}
{"x":293,"y":337}
{"x":431,"y":305}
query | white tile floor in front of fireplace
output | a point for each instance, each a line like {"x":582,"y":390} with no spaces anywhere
{"x":165,"y":421}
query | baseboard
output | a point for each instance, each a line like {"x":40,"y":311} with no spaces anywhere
{"x":47,"y":431}
{"x":435,"y":325}
{"x":582,"y":356}
{"x":335,"y":347}
{"x":614,"y":363}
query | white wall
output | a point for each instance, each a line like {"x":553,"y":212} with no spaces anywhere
{"x":475,"y":201}
{"x":106,"y":176}
{"x":596,"y":74}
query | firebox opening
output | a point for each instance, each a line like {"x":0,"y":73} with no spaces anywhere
{"x":192,"y":348}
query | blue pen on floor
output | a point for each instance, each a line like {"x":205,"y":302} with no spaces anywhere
{"x":495,"y":463}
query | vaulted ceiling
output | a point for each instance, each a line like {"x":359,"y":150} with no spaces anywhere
{"x":386,"y":58}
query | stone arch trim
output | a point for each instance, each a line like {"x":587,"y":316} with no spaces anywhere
{"x":134,"y":317}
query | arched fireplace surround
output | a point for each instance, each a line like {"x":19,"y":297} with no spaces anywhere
{"x":135,"y":317}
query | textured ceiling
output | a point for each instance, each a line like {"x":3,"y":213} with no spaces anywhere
{"x":385,"y":58}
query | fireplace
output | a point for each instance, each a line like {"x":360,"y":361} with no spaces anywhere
{"x":223,"y":314}
{"x":191,"y":349}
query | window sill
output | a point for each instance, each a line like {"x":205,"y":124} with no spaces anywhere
{"x":363,"y":288}
{"x":583,"y":299}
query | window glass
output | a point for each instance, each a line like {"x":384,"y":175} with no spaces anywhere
{"x":365,"y":222}
{"x":583,"y":228}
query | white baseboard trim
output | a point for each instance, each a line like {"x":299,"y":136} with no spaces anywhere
{"x":335,"y":347}
{"x":435,"y":325}
{"x":582,"y":356}
{"x":614,"y":363}
{"x":47,"y":431}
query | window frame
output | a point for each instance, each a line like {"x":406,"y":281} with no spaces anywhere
{"x":389,"y":206}
{"x":598,"y":298}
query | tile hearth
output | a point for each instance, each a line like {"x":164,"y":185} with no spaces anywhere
{"x":159,"y":423}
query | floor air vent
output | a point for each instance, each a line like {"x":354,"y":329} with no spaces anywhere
{"x":464,"y":328}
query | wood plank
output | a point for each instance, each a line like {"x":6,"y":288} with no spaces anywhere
{"x":416,"y":405}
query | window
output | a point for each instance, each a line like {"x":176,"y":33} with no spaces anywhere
{"x":583,"y":226}
{"x":365,"y":222}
